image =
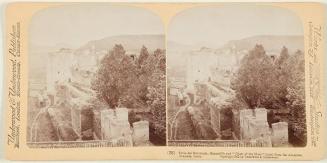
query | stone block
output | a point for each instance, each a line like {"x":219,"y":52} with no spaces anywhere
{"x":114,"y":126}
{"x":106,"y":116}
{"x":140,"y":132}
{"x":259,"y":128}
{"x":261,"y":114}
{"x":105,"y":126}
{"x":118,"y":128}
{"x":245,"y":115}
{"x":280,"y":134}
{"x":245,"y":112}
{"x":122,"y":113}
{"x":264,"y":141}
{"x":106,"y":113}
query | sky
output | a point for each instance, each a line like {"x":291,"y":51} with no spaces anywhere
{"x":213,"y":26}
{"x":75,"y":25}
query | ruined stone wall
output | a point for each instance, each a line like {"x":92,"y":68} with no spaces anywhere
{"x":43,"y":130}
{"x":122,"y":114}
{"x":115,"y":127}
{"x":59,"y":68}
{"x":261,"y":114}
{"x":87,"y":123}
{"x":254,"y":127}
{"x":258,"y":142}
{"x":258,"y":128}
{"x":221,"y":117}
{"x":215,"y":119}
{"x":114,"y":124}
{"x":244,"y":127}
{"x":236,"y":124}
{"x":62,"y":125}
{"x":119,"y":128}
{"x":280,"y":134}
{"x":97,"y":124}
{"x":140,"y":132}
{"x":201,"y":123}
{"x":106,"y":116}
{"x":254,"y":123}
{"x":76,"y":119}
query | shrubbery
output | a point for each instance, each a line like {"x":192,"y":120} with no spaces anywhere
{"x":134,"y":82}
{"x":273,"y":82}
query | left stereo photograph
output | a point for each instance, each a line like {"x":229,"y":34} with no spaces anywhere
{"x":97,"y":77}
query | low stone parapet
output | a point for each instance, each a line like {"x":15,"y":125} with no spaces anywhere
{"x":140,"y":132}
{"x":280,"y":134}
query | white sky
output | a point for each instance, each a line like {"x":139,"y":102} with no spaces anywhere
{"x":215,"y":26}
{"x":204,"y":26}
{"x":77,"y":24}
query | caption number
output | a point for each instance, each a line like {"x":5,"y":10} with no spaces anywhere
{"x":171,"y":153}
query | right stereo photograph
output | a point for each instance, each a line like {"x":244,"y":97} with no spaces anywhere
{"x":236,"y":77}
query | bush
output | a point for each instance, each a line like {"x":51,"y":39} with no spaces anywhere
{"x":133,"y":117}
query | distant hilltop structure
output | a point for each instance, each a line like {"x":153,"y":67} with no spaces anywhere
{"x":212,"y":65}
{"x":271,"y":43}
{"x":79,"y":65}
{"x":65,"y":65}
{"x":59,"y":68}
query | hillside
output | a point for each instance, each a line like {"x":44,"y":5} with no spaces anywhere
{"x":269,"y":42}
{"x":129,"y":42}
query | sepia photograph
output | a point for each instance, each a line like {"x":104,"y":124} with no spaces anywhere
{"x":236,"y":77}
{"x":164,"y":81}
{"x":97,"y":77}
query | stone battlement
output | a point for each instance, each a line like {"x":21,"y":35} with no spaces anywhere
{"x":114,"y":123}
{"x":253,"y":123}
{"x":254,"y":127}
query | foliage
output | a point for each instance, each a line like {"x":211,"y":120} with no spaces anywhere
{"x":114,"y":78}
{"x":296,"y":95}
{"x":139,"y":83}
{"x":274,"y":83}
{"x":226,"y":118}
{"x":133,"y":117}
{"x":157,"y":93}
{"x":265,"y":81}
{"x":255,"y":76}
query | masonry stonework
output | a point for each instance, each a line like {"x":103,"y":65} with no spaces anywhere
{"x":280,"y":134}
{"x":140,"y":132}
{"x":254,"y":128}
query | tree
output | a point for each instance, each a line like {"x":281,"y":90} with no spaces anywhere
{"x":157,"y":93}
{"x":144,"y":54}
{"x":274,"y":83}
{"x":296,"y":95}
{"x":264,"y":81}
{"x":254,"y":78}
{"x":284,"y":55}
{"x":144,"y":70}
{"x":120,"y":81}
{"x":115,"y":77}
